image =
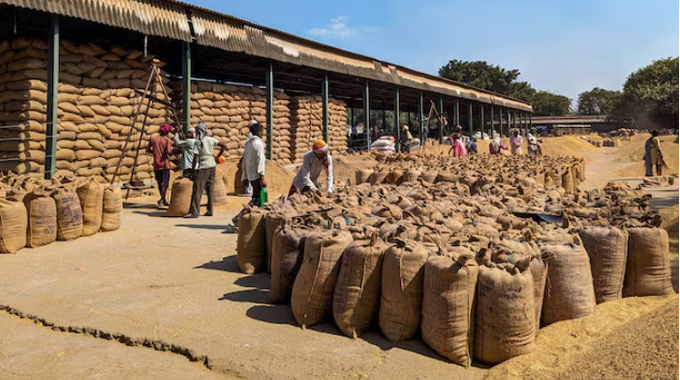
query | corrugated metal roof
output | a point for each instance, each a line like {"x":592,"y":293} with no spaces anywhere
{"x":152,"y":17}
{"x":169,"y":18}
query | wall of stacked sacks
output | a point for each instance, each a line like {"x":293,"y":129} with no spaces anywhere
{"x":454,"y":248}
{"x":96,"y":103}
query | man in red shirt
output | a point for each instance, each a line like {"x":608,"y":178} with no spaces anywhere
{"x":160,"y":147}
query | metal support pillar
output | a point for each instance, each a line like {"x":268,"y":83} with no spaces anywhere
{"x":384,"y":116}
{"x":441,"y":114}
{"x":508,"y":112}
{"x":270,"y":110}
{"x":52,"y":91}
{"x":397,"y":118}
{"x":530,"y":122}
{"x":456,"y":113}
{"x":324,"y":100}
{"x":367,"y":114}
{"x":186,"y":85}
{"x":481,"y":121}
{"x":493,"y":127}
{"x":470,"y":124}
{"x":420,"y":116}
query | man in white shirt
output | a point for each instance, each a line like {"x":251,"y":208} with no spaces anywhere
{"x":203,"y":167}
{"x":532,"y":142}
{"x":253,"y":165}
{"x":307,"y":178}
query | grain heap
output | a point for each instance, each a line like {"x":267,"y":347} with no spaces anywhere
{"x":96,"y":101}
{"x":447,"y":239}
{"x":227,"y":110}
{"x":307,"y":124}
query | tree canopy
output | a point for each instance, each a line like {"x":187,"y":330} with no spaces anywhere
{"x":650,"y":94}
{"x":546,"y":103}
{"x":598,"y":101}
{"x":482,"y":75}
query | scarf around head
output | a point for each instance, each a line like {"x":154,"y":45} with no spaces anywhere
{"x":496,"y":142}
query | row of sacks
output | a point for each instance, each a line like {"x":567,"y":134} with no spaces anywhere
{"x":35,"y":213}
{"x":528,"y":171}
{"x":465,"y":303}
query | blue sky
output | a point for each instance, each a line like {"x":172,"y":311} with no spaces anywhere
{"x":562,"y":46}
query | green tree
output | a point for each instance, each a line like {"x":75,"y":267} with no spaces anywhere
{"x":548,"y":104}
{"x":598,"y":101}
{"x":650,"y":95}
{"x":482,"y":75}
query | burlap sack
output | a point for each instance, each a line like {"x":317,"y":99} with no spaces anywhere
{"x":402,"y":290}
{"x":430,"y":176}
{"x":251,"y":245}
{"x":113,"y":208}
{"x":608,"y":251}
{"x":363,"y":175}
{"x":648,"y":271}
{"x":272,"y":221}
{"x":180,"y":197}
{"x":357,"y":291}
{"x":539,"y":273}
{"x":313,"y":288}
{"x":13,"y":223}
{"x":91,"y":196}
{"x":569,"y":292}
{"x":42,"y":218}
{"x":219,"y":191}
{"x":69,"y":214}
{"x":287,"y":251}
{"x":504,"y":319}
{"x":447,"y":324}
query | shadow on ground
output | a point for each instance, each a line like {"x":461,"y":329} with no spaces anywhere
{"x":155,"y":214}
{"x":228,"y":264}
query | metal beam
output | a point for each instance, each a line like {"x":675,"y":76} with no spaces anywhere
{"x":324,"y":100}
{"x":367,"y":114}
{"x":52,"y":91}
{"x":457,"y":113}
{"x":186,"y":85}
{"x":508,"y":123}
{"x":397,"y":119}
{"x":493,"y":127}
{"x":270,"y":109}
{"x":481,"y":121}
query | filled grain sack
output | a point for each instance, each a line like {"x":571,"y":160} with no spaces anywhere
{"x":251,"y":244}
{"x":569,"y":292}
{"x":357,"y":291}
{"x":69,"y":214}
{"x":42,"y":218}
{"x":363,"y":175}
{"x":648,"y":271}
{"x":13,"y":225}
{"x":402,"y":290}
{"x":448,"y":293}
{"x":180,"y":197}
{"x":91,"y":196}
{"x":314,"y":285}
{"x":505,"y":321}
{"x":113,"y":208}
{"x":274,"y":220}
{"x":539,"y":273}
{"x":608,"y":251}
{"x":287,"y":251}
{"x":219,"y":191}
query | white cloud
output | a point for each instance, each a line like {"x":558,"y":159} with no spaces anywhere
{"x":338,"y":28}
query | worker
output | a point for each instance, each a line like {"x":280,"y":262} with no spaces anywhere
{"x":532,"y":141}
{"x":457,"y":147}
{"x":406,"y":139}
{"x":516,"y":143}
{"x":496,"y":145}
{"x":471,"y":146}
{"x":187,"y":149}
{"x":653,"y":155}
{"x":203,"y":166}
{"x":253,"y":166}
{"x":161,"y":147}
{"x":307,"y":178}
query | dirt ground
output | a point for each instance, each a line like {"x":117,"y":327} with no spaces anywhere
{"x":163,"y":298}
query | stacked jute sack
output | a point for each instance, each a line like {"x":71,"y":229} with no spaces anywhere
{"x":34,"y":213}
{"x":96,"y":101}
{"x":307,"y":124}
{"x":613,"y":143}
{"x":476,"y":170}
{"x":228,"y":109}
{"x":476,"y":281}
